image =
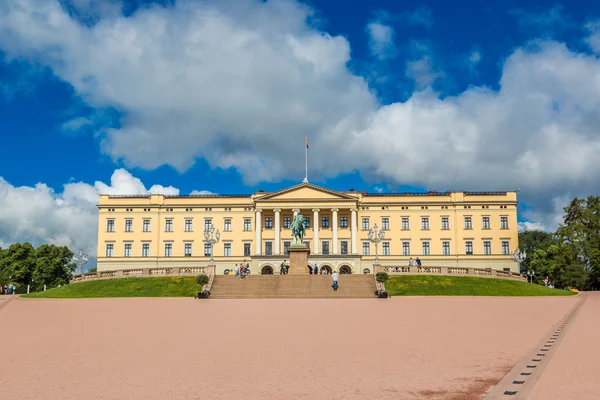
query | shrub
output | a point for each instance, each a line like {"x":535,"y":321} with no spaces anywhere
{"x":381,"y":277}
{"x":202,"y":279}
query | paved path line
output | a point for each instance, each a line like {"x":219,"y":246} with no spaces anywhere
{"x":5,"y":301}
{"x":520,"y":381}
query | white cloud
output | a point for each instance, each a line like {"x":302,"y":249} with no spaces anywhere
{"x":242,"y":82}
{"x":381,"y":40}
{"x":475,"y":57}
{"x":201,"y":193}
{"x":550,"y":19}
{"x":593,"y":40}
{"x":421,"y":16}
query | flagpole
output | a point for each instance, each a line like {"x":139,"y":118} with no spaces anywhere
{"x":306,"y":159}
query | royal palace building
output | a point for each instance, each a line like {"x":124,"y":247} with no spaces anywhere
{"x":465,"y":229}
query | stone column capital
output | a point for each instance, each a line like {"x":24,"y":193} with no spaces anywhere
{"x":258,"y":210}
{"x":335,"y":209}
{"x":316,"y":210}
{"x":295,"y":210}
{"x":277,"y":210}
{"x":354,"y":209}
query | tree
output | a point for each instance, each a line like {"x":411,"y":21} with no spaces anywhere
{"x":530,"y":241}
{"x":559,"y":263}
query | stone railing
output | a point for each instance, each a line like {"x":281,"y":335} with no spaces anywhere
{"x":453,"y":271}
{"x":148,"y":273}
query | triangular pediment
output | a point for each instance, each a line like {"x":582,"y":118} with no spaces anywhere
{"x":306,"y":191}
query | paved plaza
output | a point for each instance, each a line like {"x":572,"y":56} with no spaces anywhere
{"x":399,"y":348}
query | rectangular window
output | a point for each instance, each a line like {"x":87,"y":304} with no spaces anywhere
{"x":146,"y":225}
{"x":503,"y":222}
{"x":405,"y":223}
{"x":145,"y":249}
{"x":365,"y":224}
{"x":227,"y":249}
{"x":207,"y":250}
{"x":207,"y":224}
{"x":168,"y":250}
{"x":406,"y":248}
{"x":344,"y":247}
{"x":425,"y":223}
{"x":286,"y":247}
{"x":268,"y":248}
{"x":227,"y":225}
{"x":468,"y":223}
{"x":287,"y":222}
{"x":445,"y":223}
{"x":446,"y":248}
{"x":425,"y":247}
{"x":127,"y":252}
{"x":247,"y":224}
{"x":344,"y":222}
{"x":128,"y":225}
{"x":385,"y":248}
{"x":188,"y":225}
{"x":505,"y":247}
{"x":188,"y":249}
{"x":325,"y":247}
{"x":485,"y":222}
{"x":110,"y":225}
{"x":366,"y":248}
{"x":247,"y":249}
{"x":487,"y":247}
{"x":385,"y":223}
{"x":268,"y":222}
{"x":169,"y":225}
{"x":325,"y":222}
{"x":110,"y":250}
{"x":469,"y":247}
{"x":306,"y":222}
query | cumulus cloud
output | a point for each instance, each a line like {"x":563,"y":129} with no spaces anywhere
{"x":381,"y":40}
{"x":239,"y":82}
{"x":593,"y":40}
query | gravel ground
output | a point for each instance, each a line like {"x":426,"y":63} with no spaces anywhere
{"x":400,"y":348}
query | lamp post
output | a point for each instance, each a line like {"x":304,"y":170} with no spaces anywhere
{"x":211,"y":237}
{"x":80,"y":260}
{"x":530,"y":274}
{"x":376,"y":237}
{"x":519,"y":257}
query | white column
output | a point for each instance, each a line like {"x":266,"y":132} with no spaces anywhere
{"x":316,"y":230}
{"x":258,"y":227}
{"x":353,"y":222}
{"x":296,"y":211}
{"x":334,"y":216}
{"x":277,"y":231}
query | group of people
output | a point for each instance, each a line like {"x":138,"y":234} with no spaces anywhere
{"x":283,"y":270}
{"x":7,"y":289}
{"x":243,"y":270}
{"x":411,"y":262}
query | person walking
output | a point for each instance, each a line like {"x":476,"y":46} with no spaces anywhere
{"x":418,"y":262}
{"x":334,"y":278}
{"x":315,"y":269}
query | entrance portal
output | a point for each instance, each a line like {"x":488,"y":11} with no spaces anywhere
{"x":326,"y":269}
{"x":345,"y":270}
{"x":266,"y":270}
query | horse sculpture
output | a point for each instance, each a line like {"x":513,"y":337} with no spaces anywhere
{"x":298,"y":228}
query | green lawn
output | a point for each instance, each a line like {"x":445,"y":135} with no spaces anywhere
{"x":425,"y":285}
{"x":180,"y":286}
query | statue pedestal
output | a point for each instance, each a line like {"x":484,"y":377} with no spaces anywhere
{"x":299,"y":258}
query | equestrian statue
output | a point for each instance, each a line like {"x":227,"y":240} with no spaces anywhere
{"x":298,"y":228}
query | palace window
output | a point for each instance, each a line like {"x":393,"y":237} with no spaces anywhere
{"x":503,"y":222}
{"x":110,"y":225}
{"x":425,"y":223}
{"x":487,"y":247}
{"x":287,"y":222}
{"x":344,"y":222}
{"x":385,"y":248}
{"x":227,"y":249}
{"x":227,"y":225}
{"x":168,"y":225}
{"x":468,"y":223}
{"x":344,"y":247}
{"x":405,"y":223}
{"x":325,"y":247}
{"x":127,"y":252}
{"x":426,"y":249}
{"x":385,"y":224}
{"x":446,"y":248}
{"x":268,"y":222}
{"x":188,"y":249}
{"x":268,"y":248}
{"x":207,"y":250}
{"x":505,"y":247}
{"x":145,"y":249}
{"x":306,"y":222}
{"x":247,"y":249}
{"x":247,"y":224}
{"x":325,"y":222}
{"x":406,"y":248}
{"x":146,"y":225}
{"x":286,"y":247}
{"x":366,"y":248}
{"x":168,"y":250}
{"x":445,"y":223}
{"x":485,"y":222}
{"x":207,"y":224}
{"x":110,"y":250}
{"x":128,"y":225}
{"x":188,"y":225}
{"x":469,"y":247}
{"x":365,"y":223}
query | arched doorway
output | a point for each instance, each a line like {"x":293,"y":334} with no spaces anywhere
{"x":366,"y":271}
{"x":345,"y":269}
{"x":326,"y":269}
{"x":226,"y":272}
{"x":266,"y":270}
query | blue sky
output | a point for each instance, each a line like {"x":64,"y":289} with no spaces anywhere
{"x":218,"y":96}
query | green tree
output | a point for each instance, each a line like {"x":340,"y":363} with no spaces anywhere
{"x":530,"y":241}
{"x":53,"y":266}
{"x":18,"y":263}
{"x":560,"y":264}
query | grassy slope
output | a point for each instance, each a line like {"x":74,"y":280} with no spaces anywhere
{"x":126,"y":287}
{"x":424,"y":285}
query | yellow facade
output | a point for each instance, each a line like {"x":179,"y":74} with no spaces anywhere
{"x":441,"y":229}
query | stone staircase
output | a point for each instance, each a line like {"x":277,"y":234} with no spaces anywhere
{"x":292,"y":287}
